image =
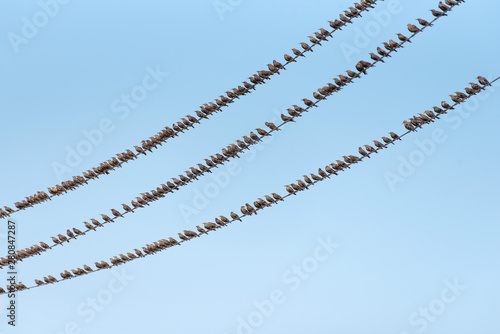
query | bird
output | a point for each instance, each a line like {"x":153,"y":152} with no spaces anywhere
{"x":37,"y":281}
{"x":378,"y":145}
{"x":461,"y":95}
{"x":70,"y":234}
{"x":244,"y":211}
{"x":314,"y":40}
{"x":403,"y":38}
{"x":437,"y":13}
{"x":424,"y":23}
{"x":285,"y":118}
{"x":382,"y":52}
{"x":183,"y":237}
{"x":262,"y":132}
{"x":297,"y":53}
{"x":290,"y":190}
{"x":316,"y":177}
{"x":225,"y":219}
{"x":106,"y":218}
{"x":201,"y":229}
{"x":277,"y":197}
{"x":309,"y":103}
{"x":475,"y":86}
{"x":289,"y":59}
{"x":251,"y":209}
{"x":352,"y":74}
{"x":347,"y":159}
{"x":363,"y":152}
{"x":455,"y":99}
{"x":305,"y":46}
{"x":190,"y":234}
{"x":307,"y":179}
{"x":344,"y":19}
{"x":451,"y":3}
{"x":77,"y":231}
{"x":483,"y":81}
{"x":295,"y":187}
{"x":430,"y":114}
{"x":446,"y":105}
{"x":269,"y":199}
{"x":88,"y":226}
{"x":387,"y":140}
{"x":408,"y":126}
{"x":438,"y":110}
{"x":95,"y":222}
{"x":318,"y":96}
{"x":322,"y":173}
{"x":234,"y":216}
{"x":354,"y":158}
{"x":376,"y":58}
{"x":55,"y":240}
{"x":394,"y":136}
{"x":127,"y":208}
{"x":413,"y":28}
{"x":87,"y":268}
{"x":443,"y":7}
{"x":272,"y":126}
{"x":116,"y":213}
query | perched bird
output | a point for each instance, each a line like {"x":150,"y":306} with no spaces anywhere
{"x":234,"y":216}
{"x":37,"y":281}
{"x":295,"y":187}
{"x":77,"y":231}
{"x":347,"y":159}
{"x":413,"y":28}
{"x":403,"y":38}
{"x":270,"y":200}
{"x":224,"y":219}
{"x":376,"y":58}
{"x":277,"y":197}
{"x":438,"y":110}
{"x":379,"y":145}
{"x":309,"y":103}
{"x":182,"y":237}
{"x":190,"y":234}
{"x":482,"y":80}
{"x":363,"y":152}
{"x":424,"y":23}
{"x":430,"y":114}
{"x":127,"y":208}
{"x":289,"y":59}
{"x":116,"y":213}
{"x":322,"y":173}
{"x":201,"y":229}
{"x":95,"y":222}
{"x":88,"y":226}
{"x":272,"y":126}
{"x":475,"y":86}
{"x":305,"y":46}
{"x":316,"y":177}
{"x":461,"y":95}
{"x":285,"y":118}
{"x":394,"y":136}
{"x":455,"y":99}
{"x":289,"y":189}
{"x":87,"y":268}
{"x":387,"y":140}
{"x":446,"y":105}
{"x":251,"y":209}
{"x":297,"y":53}
{"x":443,"y":7}
{"x":262,"y":132}
{"x":244,"y":211}
{"x":70,"y":234}
{"x":383,"y":53}
{"x":307,"y":179}
{"x":352,"y":74}
{"x":437,"y":13}
{"x":408,"y":126}
{"x":55,"y":240}
{"x":451,"y":3}
{"x":314,"y":40}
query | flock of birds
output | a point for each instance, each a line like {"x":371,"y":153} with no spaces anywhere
{"x":188,"y":122}
{"x":232,"y":151}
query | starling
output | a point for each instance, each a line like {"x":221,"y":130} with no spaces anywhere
{"x":309,"y":103}
{"x":55,"y":240}
{"x":413,"y":28}
{"x":394,"y":136}
{"x":277,"y":197}
{"x":77,"y":231}
{"x":430,"y":114}
{"x":139,"y":150}
{"x":305,"y":46}
{"x":38,"y":282}
{"x":446,"y":105}
{"x":379,"y":145}
{"x":295,"y":187}
{"x":297,"y":53}
{"x":322,"y":173}
{"x":307,"y":179}
{"x":106,"y":218}
{"x":451,"y":3}
{"x":408,"y":126}
{"x":318,"y":96}
{"x":270,"y":199}
{"x":87,"y":268}
{"x":127,"y":208}
{"x":425,"y":118}
{"x":95,"y":222}
{"x":437,"y":13}
{"x":219,"y":222}
{"x":262,"y":132}
{"x":70,"y":234}
{"x":314,"y":40}
{"x":251,"y":209}
{"x":438,"y":110}
{"x":273,"y":68}
{"x":328,"y":169}
{"x":244,"y":211}
{"x":443,"y":7}
{"x":461,"y":95}
{"x":285,"y":118}
{"x":363,"y":152}
{"x":354,"y":158}
{"x":316,"y":177}
{"x":289,"y":59}
{"x":116,"y":213}
{"x":455,"y":99}
{"x":424,"y":23}
{"x":344,"y":19}
{"x":475,"y":86}
{"x":272,"y":126}
{"x":403,"y":38}
{"x":482,"y":80}
{"x":347,"y":159}
{"x":376,"y":58}
{"x":383,"y":53}
{"x":387,"y":140}
{"x":254,"y":136}
{"x":234,"y":216}
{"x":88,"y":226}
{"x":470,"y":91}
{"x":352,"y":74}
{"x":190,"y":234}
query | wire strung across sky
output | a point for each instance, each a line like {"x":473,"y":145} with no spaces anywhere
{"x":331,"y":169}
{"x":189,"y":121}
{"x":227,"y":153}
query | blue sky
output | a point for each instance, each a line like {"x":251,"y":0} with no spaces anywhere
{"x":417,"y":255}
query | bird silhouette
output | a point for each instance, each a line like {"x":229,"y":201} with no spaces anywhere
{"x":482,"y":80}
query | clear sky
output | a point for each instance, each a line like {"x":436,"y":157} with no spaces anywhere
{"x":406,"y":242}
